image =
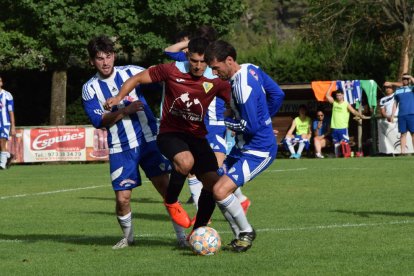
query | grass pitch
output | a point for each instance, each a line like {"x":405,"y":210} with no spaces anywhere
{"x":326,"y":217}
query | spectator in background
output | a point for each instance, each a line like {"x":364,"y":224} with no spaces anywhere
{"x":404,"y":101}
{"x":340,"y":120}
{"x":301,"y":126}
{"x":387,"y":102}
{"x":321,"y":133}
{"x":7,"y":126}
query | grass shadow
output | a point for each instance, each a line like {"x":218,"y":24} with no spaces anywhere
{"x":367,"y":214}
{"x":109,"y":241}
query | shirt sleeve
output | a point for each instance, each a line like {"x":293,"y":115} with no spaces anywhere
{"x":160,"y":72}
{"x":10,"y":103}
{"x":177,"y":56}
{"x":274,"y":94}
{"x":91,"y":105}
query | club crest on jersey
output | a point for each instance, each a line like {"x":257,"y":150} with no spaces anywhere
{"x":207,"y":86}
{"x":253,"y":73}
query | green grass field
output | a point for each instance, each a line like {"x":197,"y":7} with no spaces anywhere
{"x":325,"y":217}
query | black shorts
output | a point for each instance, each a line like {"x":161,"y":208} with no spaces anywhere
{"x":175,"y":142}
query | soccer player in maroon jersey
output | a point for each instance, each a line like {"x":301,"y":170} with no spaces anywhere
{"x":189,"y":89}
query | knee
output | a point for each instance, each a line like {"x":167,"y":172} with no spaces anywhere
{"x":184,"y":165}
{"x":220,"y":192}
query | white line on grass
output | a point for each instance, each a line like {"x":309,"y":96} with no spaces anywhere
{"x":287,"y":170}
{"x":56,"y":192}
{"x":307,"y":228}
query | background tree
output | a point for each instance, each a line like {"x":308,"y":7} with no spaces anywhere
{"x":370,"y":30}
{"x":52,"y":35}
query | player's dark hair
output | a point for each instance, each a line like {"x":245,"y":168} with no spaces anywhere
{"x":302,"y":106}
{"x":100,"y":43}
{"x":219,"y":50}
{"x":208,"y":32}
{"x":198,"y":45}
{"x":182,"y":35}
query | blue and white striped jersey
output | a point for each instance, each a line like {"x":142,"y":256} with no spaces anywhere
{"x":128,"y":132}
{"x":6,"y":106}
{"x":254,"y":96}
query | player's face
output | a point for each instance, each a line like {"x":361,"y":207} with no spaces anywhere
{"x":340,"y":97}
{"x":104,"y":63}
{"x":405,"y":81}
{"x":221,"y":69}
{"x":197,"y":64}
{"x":1,"y":83}
{"x":320,"y":116}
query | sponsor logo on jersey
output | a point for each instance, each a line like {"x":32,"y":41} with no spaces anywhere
{"x":253,"y":73}
{"x":180,"y":80}
{"x":207,"y":86}
{"x":72,"y":139}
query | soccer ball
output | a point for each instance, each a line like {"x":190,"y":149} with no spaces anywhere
{"x":205,"y":241}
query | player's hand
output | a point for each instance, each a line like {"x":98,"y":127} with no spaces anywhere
{"x":111,"y":102}
{"x":134,"y":107}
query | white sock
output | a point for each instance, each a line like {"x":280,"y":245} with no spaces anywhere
{"x":195,"y":188}
{"x":290,"y":146}
{"x":231,"y":208}
{"x":179,"y":231}
{"x":3,"y":159}
{"x":301,"y":146}
{"x":126,"y":225}
{"x":239,"y":195}
{"x":336,"y":147}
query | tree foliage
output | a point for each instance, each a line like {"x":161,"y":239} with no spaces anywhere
{"x":52,"y":35}
{"x":374,"y":27}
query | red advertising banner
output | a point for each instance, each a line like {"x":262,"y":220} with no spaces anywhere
{"x":62,"y":143}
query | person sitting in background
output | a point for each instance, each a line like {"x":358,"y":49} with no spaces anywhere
{"x":321,"y":133}
{"x":301,"y":125}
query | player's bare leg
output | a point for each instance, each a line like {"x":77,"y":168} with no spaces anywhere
{"x":160,"y":183}
{"x":124,"y":216}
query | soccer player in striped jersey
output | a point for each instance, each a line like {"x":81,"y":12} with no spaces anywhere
{"x":189,"y":89}
{"x":256,"y":146}
{"x":7,"y":126}
{"x":132,"y":133}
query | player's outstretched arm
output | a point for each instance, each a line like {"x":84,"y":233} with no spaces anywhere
{"x":140,"y":78}
{"x":328,"y":96}
{"x":177,"y":47}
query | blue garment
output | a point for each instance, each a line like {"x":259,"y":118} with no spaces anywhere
{"x":133,"y":129}
{"x":6,"y":106}
{"x":404,"y":96}
{"x":252,"y":122}
{"x":351,"y":89}
{"x":177,"y":56}
{"x":323,"y":129}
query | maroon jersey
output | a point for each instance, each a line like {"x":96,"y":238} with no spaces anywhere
{"x":187,"y":98}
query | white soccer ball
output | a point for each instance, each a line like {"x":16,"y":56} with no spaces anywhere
{"x":205,"y":241}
